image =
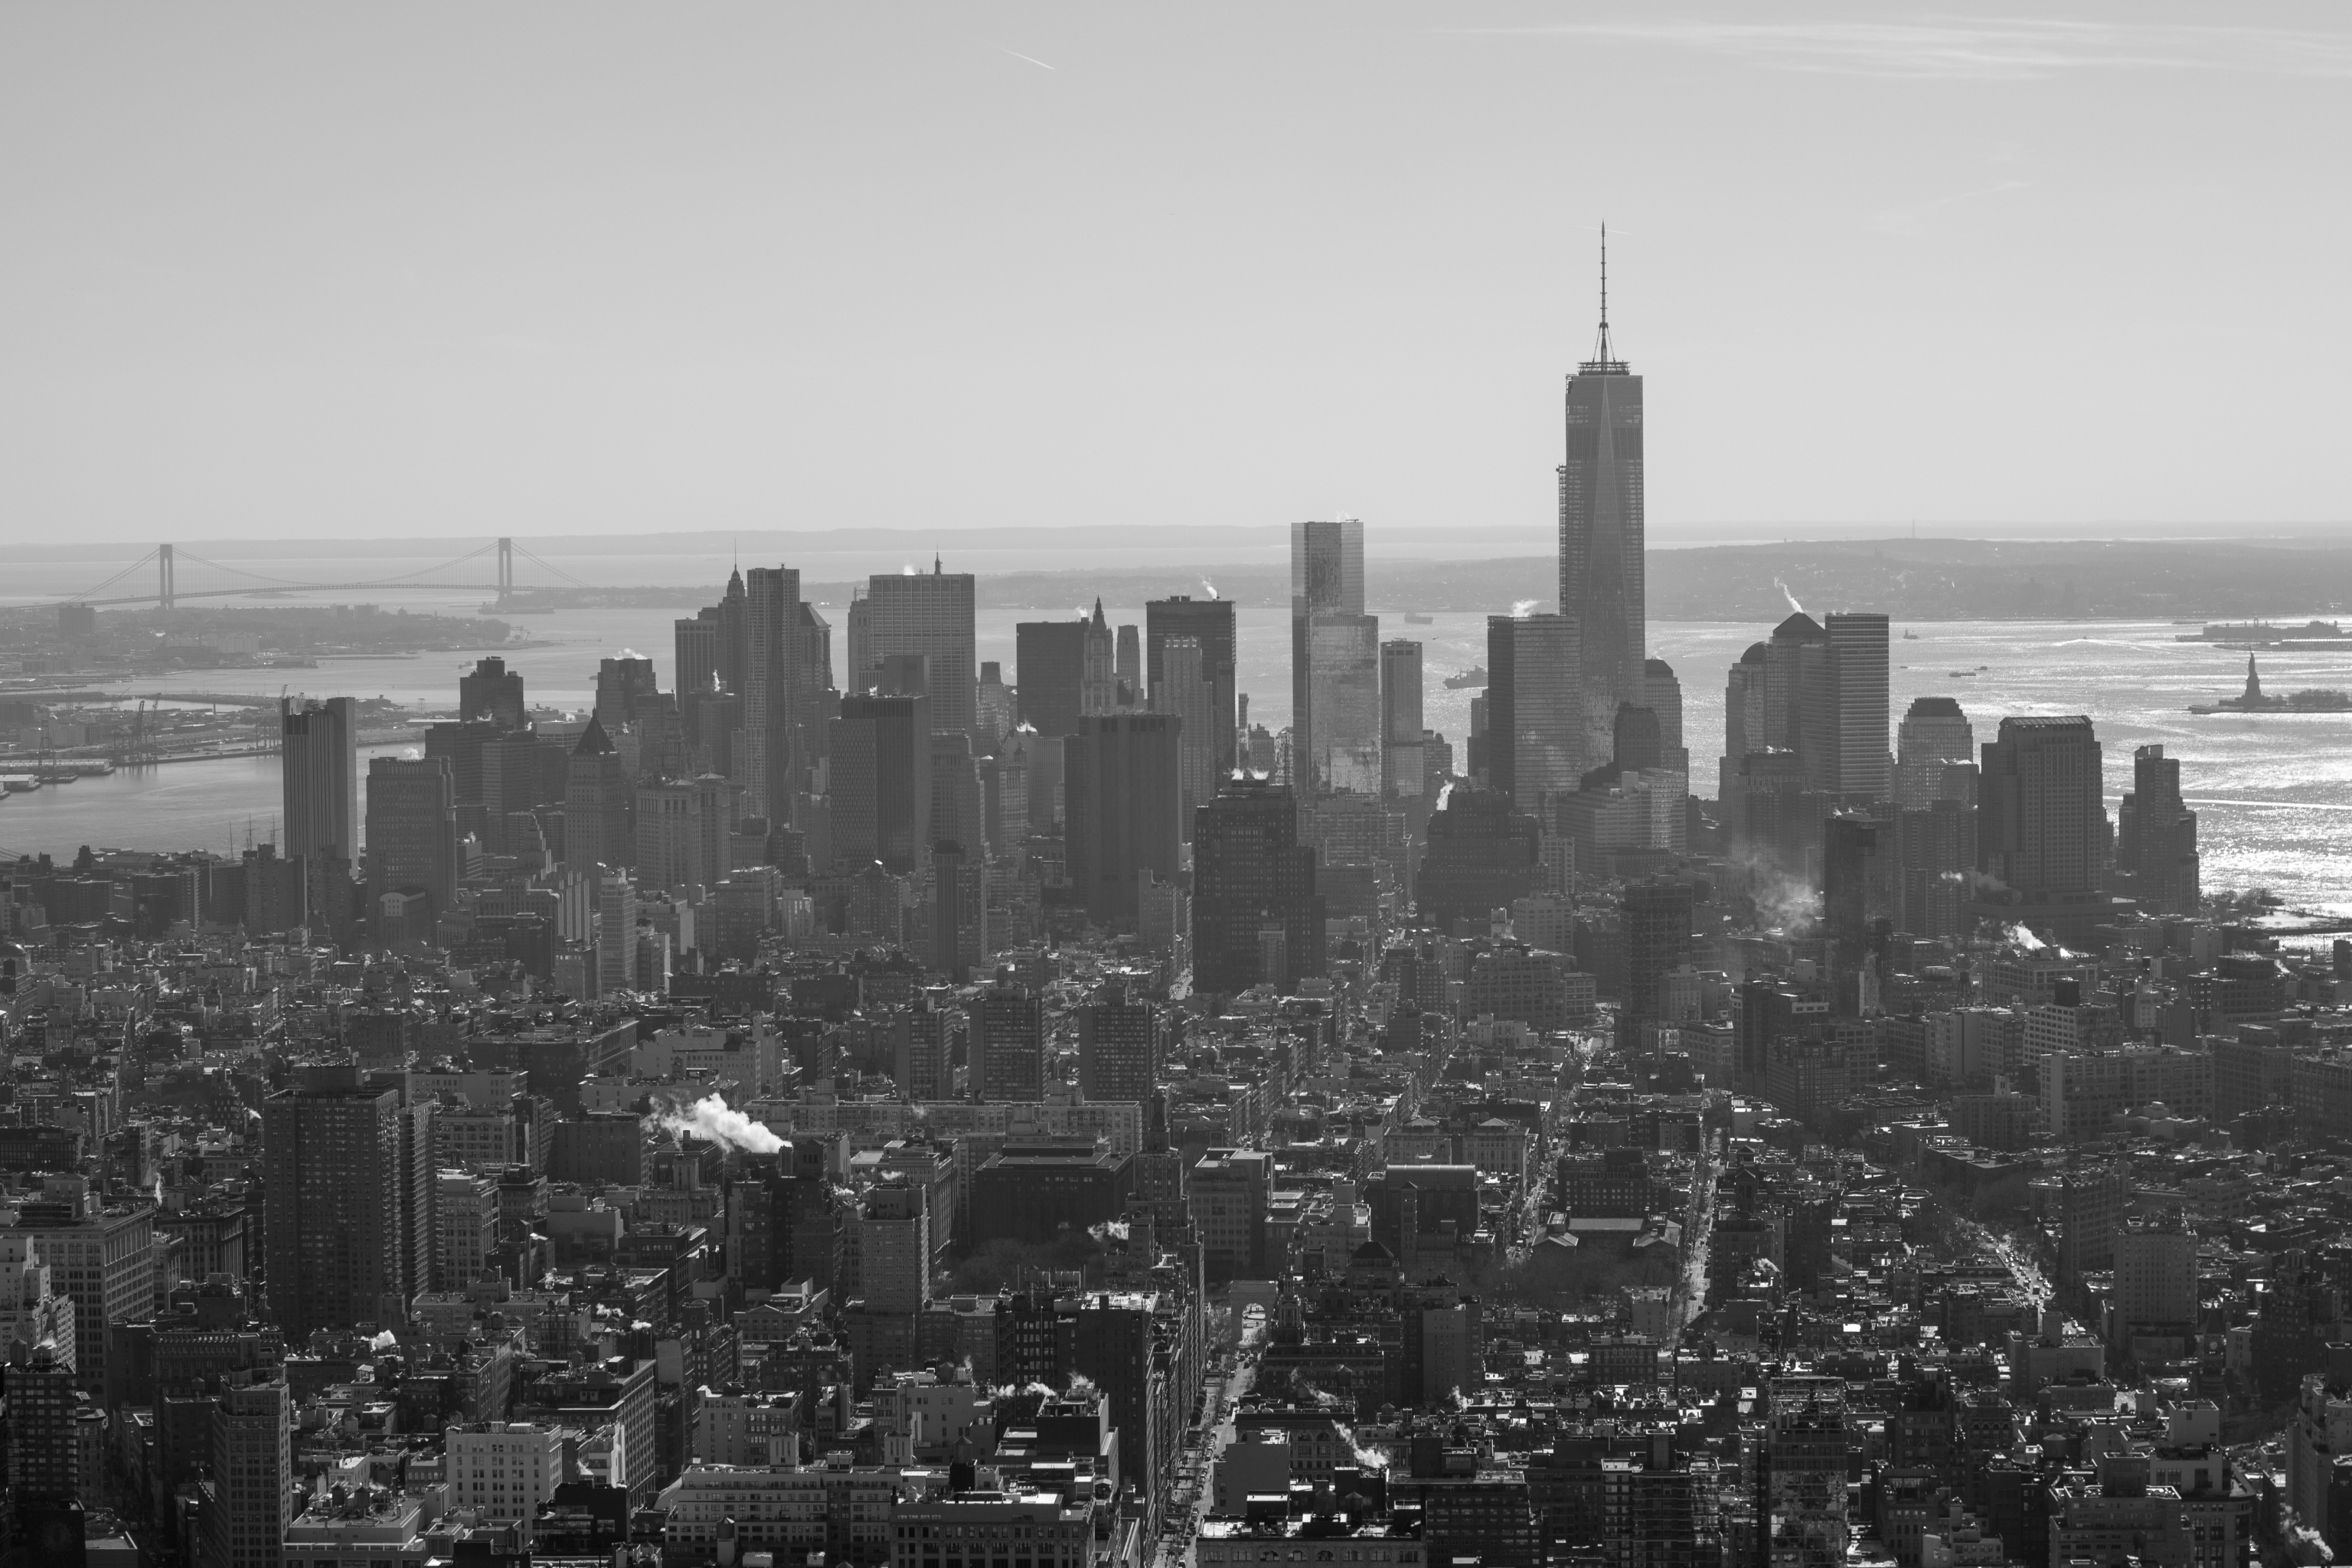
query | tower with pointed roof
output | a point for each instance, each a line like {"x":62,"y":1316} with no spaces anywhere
{"x":1603,"y":533}
{"x":597,"y":796}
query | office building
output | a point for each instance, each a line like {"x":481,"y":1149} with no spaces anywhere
{"x":673,"y":849}
{"x":1228,"y":1190}
{"x":1935,"y":857}
{"x":695,"y":660}
{"x":1656,"y":917}
{"x":1007,"y":1046}
{"x":1796,"y":695}
{"x":1182,"y":690}
{"x":245,"y":1516}
{"x":1119,"y":1047}
{"x":37,"y":1382}
{"x":464,"y":1226}
{"x":492,"y":694}
{"x":2042,"y":827}
{"x":1333,"y":661}
{"x":335,"y":1241}
{"x":318,"y":775}
{"x":625,"y":689}
{"x":1537,"y":725}
{"x":782,"y":1222}
{"x":617,"y":933}
{"x":2156,"y":837}
{"x":960,"y":942}
{"x":1933,"y":738}
{"x":1403,"y":757}
{"x":1602,"y":535}
{"x":1480,"y":856}
{"x":1050,"y":666}
{"x":772,"y":690}
{"x":1122,"y":795}
{"x":1210,"y":623}
{"x":103,"y":1261}
{"x":956,"y":807}
{"x":2156,"y":1277}
{"x":929,"y":614}
{"x":1743,"y":716}
{"x":412,"y":830}
{"x":881,"y":783}
{"x":1662,"y":694}
{"x":1862,"y":772}
{"x":503,"y":1470}
{"x":1258,"y":917}
{"x":1343,"y":715}
{"x":598,"y":801}
{"x":890,"y":1247}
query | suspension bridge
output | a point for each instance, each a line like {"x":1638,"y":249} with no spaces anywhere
{"x":220,"y":581}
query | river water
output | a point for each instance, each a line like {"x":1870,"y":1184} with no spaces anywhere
{"x":2274,"y":794}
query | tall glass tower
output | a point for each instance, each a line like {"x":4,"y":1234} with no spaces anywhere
{"x":1601,"y":534}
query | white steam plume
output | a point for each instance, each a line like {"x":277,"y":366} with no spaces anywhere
{"x":709,"y":1118}
{"x":1788,"y":596}
{"x":1522,"y":608}
{"x":1211,"y":587}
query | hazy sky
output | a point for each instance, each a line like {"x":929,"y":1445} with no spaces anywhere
{"x":451,"y":268}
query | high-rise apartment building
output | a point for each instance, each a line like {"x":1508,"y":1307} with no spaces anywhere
{"x":335,"y":1237}
{"x":929,"y":614}
{"x":412,"y":830}
{"x":598,"y":798}
{"x":1537,"y":728}
{"x":1007,"y":1046}
{"x":1210,"y":623}
{"x":318,"y":775}
{"x":1180,"y":689}
{"x":492,"y":694}
{"x":1603,"y":533}
{"x":881,"y":781}
{"x":1119,"y":1048}
{"x":1402,"y":750}
{"x":252,"y":1478}
{"x":2156,"y":836}
{"x":1335,"y":680}
{"x":1257,"y":915}
{"x":1934,"y":738}
{"x":1121,"y":801}
{"x":2041,"y":826}
{"x":890,"y":1247}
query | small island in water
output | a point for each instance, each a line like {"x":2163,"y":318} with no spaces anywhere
{"x":2253,"y":699}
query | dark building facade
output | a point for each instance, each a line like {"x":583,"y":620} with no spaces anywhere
{"x":1121,"y":794}
{"x":1257,"y":915}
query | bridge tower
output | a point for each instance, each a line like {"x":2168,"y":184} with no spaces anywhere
{"x":505,"y":568}
{"x":164,"y":592}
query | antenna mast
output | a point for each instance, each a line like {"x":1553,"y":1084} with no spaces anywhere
{"x":1604,"y":360}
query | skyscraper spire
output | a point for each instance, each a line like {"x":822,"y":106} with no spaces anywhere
{"x":1604,"y":358}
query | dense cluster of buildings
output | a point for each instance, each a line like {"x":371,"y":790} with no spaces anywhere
{"x":882,"y":1113}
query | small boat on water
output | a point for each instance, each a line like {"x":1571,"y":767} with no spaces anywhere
{"x":1415,"y":618}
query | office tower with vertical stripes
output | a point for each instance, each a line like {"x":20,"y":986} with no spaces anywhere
{"x":1601,"y":529}
{"x":771,"y":645}
{"x":1335,"y":678}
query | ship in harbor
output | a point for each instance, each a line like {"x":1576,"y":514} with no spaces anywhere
{"x":2263,"y":634}
{"x":1415,"y":618}
{"x":1474,"y":676}
{"x":2254,"y":699}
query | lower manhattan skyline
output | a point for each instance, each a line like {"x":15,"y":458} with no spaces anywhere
{"x":956,"y":788}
